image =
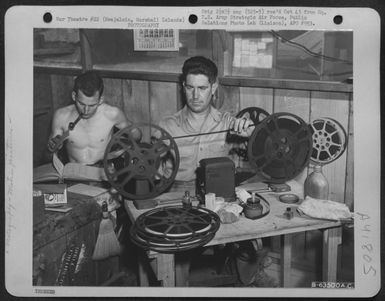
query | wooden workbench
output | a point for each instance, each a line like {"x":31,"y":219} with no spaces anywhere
{"x":274,"y":224}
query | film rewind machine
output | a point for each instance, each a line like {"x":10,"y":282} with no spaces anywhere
{"x":146,"y":160}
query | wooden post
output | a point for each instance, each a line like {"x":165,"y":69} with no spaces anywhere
{"x":142,"y":277}
{"x":286,"y":242}
{"x":349,"y":180}
{"x":86,"y":54}
{"x":331,"y":241}
{"x":166,"y":269}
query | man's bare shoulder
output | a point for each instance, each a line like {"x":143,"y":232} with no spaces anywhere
{"x":115,"y":115}
{"x":65,"y":112}
{"x":111,"y":112}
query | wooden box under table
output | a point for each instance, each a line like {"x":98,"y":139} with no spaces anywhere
{"x":63,"y":244}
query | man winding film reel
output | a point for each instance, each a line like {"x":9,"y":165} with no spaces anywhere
{"x":190,"y":142}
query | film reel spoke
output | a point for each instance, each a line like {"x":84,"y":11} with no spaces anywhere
{"x":126,"y":180}
{"x":318,"y":153}
{"x":331,"y":143}
{"x":122,"y":171}
{"x":159,"y":147}
{"x":115,"y":154}
{"x":126,"y":146}
{"x":266,"y":164}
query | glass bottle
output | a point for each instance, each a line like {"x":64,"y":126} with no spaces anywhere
{"x":253,"y":208}
{"x":316,"y":184}
{"x":186,"y":201}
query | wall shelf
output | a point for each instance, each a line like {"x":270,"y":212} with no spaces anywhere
{"x":286,"y":84}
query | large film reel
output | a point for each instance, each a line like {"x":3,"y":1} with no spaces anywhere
{"x":329,"y":140}
{"x":141,"y":161}
{"x":257,"y":115}
{"x":174,"y":228}
{"x":280,"y":147}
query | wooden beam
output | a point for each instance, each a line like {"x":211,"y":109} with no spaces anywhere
{"x":139,"y":75}
{"x":285,"y":84}
{"x":57,"y":70}
{"x":226,"y":81}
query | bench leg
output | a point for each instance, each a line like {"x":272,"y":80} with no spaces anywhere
{"x":286,"y":244}
{"x":331,"y":241}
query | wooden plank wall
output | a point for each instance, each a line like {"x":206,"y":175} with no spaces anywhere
{"x":148,"y":101}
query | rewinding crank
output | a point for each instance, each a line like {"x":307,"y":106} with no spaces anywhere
{"x":257,"y":115}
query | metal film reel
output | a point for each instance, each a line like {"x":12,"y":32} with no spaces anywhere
{"x":141,"y":161}
{"x":329,"y":140}
{"x":257,"y":115}
{"x":174,"y":228}
{"x":168,"y":247}
{"x":280,"y":147}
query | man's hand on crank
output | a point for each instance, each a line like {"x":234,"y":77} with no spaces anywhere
{"x":242,"y":126}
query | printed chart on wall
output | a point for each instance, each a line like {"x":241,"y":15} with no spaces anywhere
{"x":306,"y":77}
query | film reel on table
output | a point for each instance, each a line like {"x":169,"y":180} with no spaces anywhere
{"x":174,"y":228}
{"x":280,"y":147}
{"x":141,"y":161}
{"x":329,"y":140}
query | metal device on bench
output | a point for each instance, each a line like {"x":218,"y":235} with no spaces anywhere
{"x":216,"y":175}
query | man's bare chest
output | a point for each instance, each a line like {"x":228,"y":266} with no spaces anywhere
{"x":89,"y":134}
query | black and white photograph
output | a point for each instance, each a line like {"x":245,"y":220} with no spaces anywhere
{"x":215,"y":157}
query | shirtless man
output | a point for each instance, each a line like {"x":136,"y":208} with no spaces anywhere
{"x":88,"y":140}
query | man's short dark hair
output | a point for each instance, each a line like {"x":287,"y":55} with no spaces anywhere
{"x":89,"y":83}
{"x":200,"y":65}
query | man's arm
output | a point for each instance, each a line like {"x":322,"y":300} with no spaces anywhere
{"x":121,"y":120}
{"x":56,"y":131}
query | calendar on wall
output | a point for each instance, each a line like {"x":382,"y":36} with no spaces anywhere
{"x":156,"y":40}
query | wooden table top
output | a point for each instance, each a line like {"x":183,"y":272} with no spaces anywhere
{"x":275,"y":223}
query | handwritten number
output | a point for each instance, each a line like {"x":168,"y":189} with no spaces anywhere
{"x":368,"y":247}
{"x":371,"y":268}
